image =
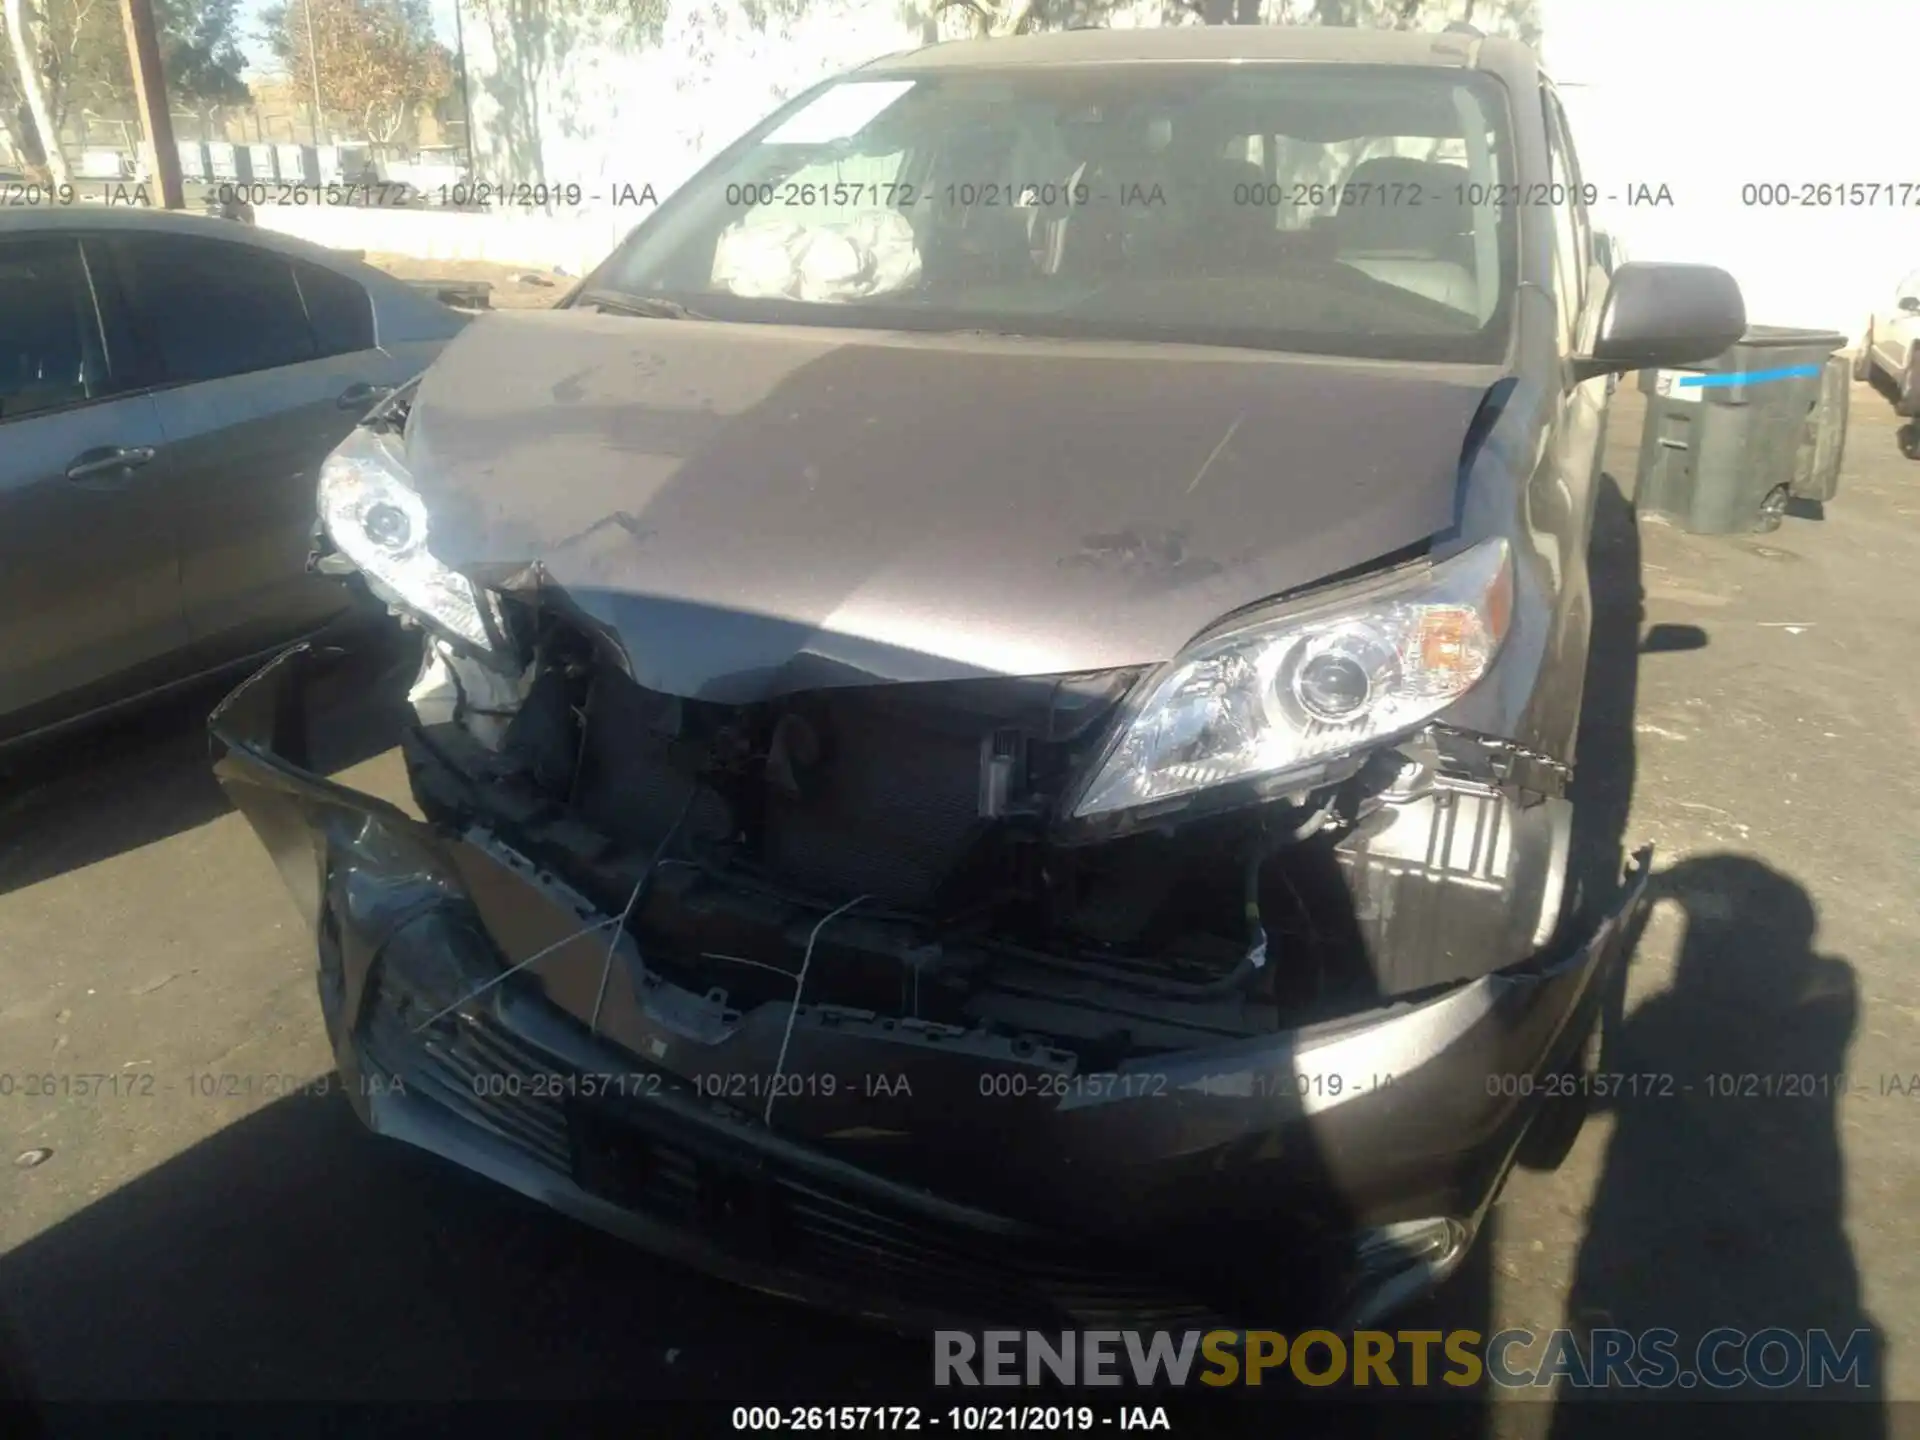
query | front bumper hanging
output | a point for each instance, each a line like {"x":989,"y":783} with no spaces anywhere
{"x":921,"y":1174}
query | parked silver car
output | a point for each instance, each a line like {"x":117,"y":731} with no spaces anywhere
{"x":169,"y":385}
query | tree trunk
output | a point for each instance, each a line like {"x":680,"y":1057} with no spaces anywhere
{"x":23,"y":60}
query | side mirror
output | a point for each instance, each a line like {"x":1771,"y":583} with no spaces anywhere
{"x":1661,"y":317}
{"x":1909,"y":303}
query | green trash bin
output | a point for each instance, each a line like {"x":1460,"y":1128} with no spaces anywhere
{"x":1721,"y":447}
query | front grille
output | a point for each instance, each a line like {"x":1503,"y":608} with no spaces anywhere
{"x":915,"y":1257}
{"x":486,"y":1075}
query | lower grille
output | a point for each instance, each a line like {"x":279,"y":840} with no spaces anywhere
{"x":901,"y":1253}
{"x":473,"y":1066}
{"x":486,"y":1075}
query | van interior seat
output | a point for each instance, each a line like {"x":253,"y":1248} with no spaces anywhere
{"x":1408,"y":226}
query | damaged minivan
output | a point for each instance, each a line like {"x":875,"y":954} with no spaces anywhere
{"x":1000,"y":687}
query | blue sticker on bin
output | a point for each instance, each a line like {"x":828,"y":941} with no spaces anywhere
{"x":1750,"y":377}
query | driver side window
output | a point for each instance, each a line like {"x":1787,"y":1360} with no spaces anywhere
{"x":1569,"y":268}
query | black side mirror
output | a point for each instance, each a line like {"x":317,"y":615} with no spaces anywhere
{"x":1909,"y":303}
{"x":1661,"y":317}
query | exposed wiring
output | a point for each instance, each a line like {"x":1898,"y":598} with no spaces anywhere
{"x":616,"y":923}
{"x":1255,"y":960}
{"x":1249,"y":964}
{"x":488,"y":984}
{"x":780,"y":970}
{"x":793,"y":1012}
{"x":1313,"y":935}
{"x":639,"y":888}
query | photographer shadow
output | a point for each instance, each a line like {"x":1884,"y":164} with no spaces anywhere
{"x":1721,"y":1197}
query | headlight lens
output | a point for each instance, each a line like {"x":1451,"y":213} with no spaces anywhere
{"x":378,"y":521}
{"x":1294,"y":688}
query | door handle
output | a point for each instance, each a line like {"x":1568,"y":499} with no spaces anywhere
{"x":107,"y":460}
{"x":360,"y":395}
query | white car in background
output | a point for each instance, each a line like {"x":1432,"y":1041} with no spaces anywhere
{"x":1892,"y":345}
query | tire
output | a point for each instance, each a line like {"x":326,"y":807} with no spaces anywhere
{"x":1863,"y":358}
{"x":1908,"y":439}
{"x":1773,"y":510}
{"x":1908,"y":403}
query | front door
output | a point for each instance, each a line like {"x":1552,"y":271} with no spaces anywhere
{"x":90,"y":607}
{"x":261,"y":357}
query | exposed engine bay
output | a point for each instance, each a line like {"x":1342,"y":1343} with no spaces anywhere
{"x":898,"y":849}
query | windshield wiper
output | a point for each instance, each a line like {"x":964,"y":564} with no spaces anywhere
{"x":649,"y":307}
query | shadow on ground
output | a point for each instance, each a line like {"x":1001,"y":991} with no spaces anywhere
{"x":126,"y":783}
{"x":293,"y":1256}
{"x":1719,"y":1201}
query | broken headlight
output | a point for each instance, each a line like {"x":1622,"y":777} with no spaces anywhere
{"x":378,"y":521}
{"x":1280,"y":692}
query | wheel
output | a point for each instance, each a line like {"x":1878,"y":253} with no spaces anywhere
{"x":1773,"y":510}
{"x":1908,"y":402}
{"x":1863,"y":357}
{"x":1549,"y":1140}
{"x":1908,"y":439}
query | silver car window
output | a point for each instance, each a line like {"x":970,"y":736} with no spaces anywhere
{"x":51,"y":352}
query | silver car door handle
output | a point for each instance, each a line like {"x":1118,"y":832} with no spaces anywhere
{"x":107,"y":459}
{"x":361,"y":395}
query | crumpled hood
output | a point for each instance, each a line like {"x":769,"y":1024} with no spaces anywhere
{"x":753,"y":510}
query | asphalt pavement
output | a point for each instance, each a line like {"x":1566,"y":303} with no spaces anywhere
{"x":195,"y":1236}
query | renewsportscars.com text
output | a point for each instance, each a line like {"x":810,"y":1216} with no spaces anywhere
{"x":1723,"y":1359}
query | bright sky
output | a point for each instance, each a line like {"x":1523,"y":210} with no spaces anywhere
{"x":259,"y":58}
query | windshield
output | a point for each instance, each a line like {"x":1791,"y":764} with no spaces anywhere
{"x":1348,"y":210}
